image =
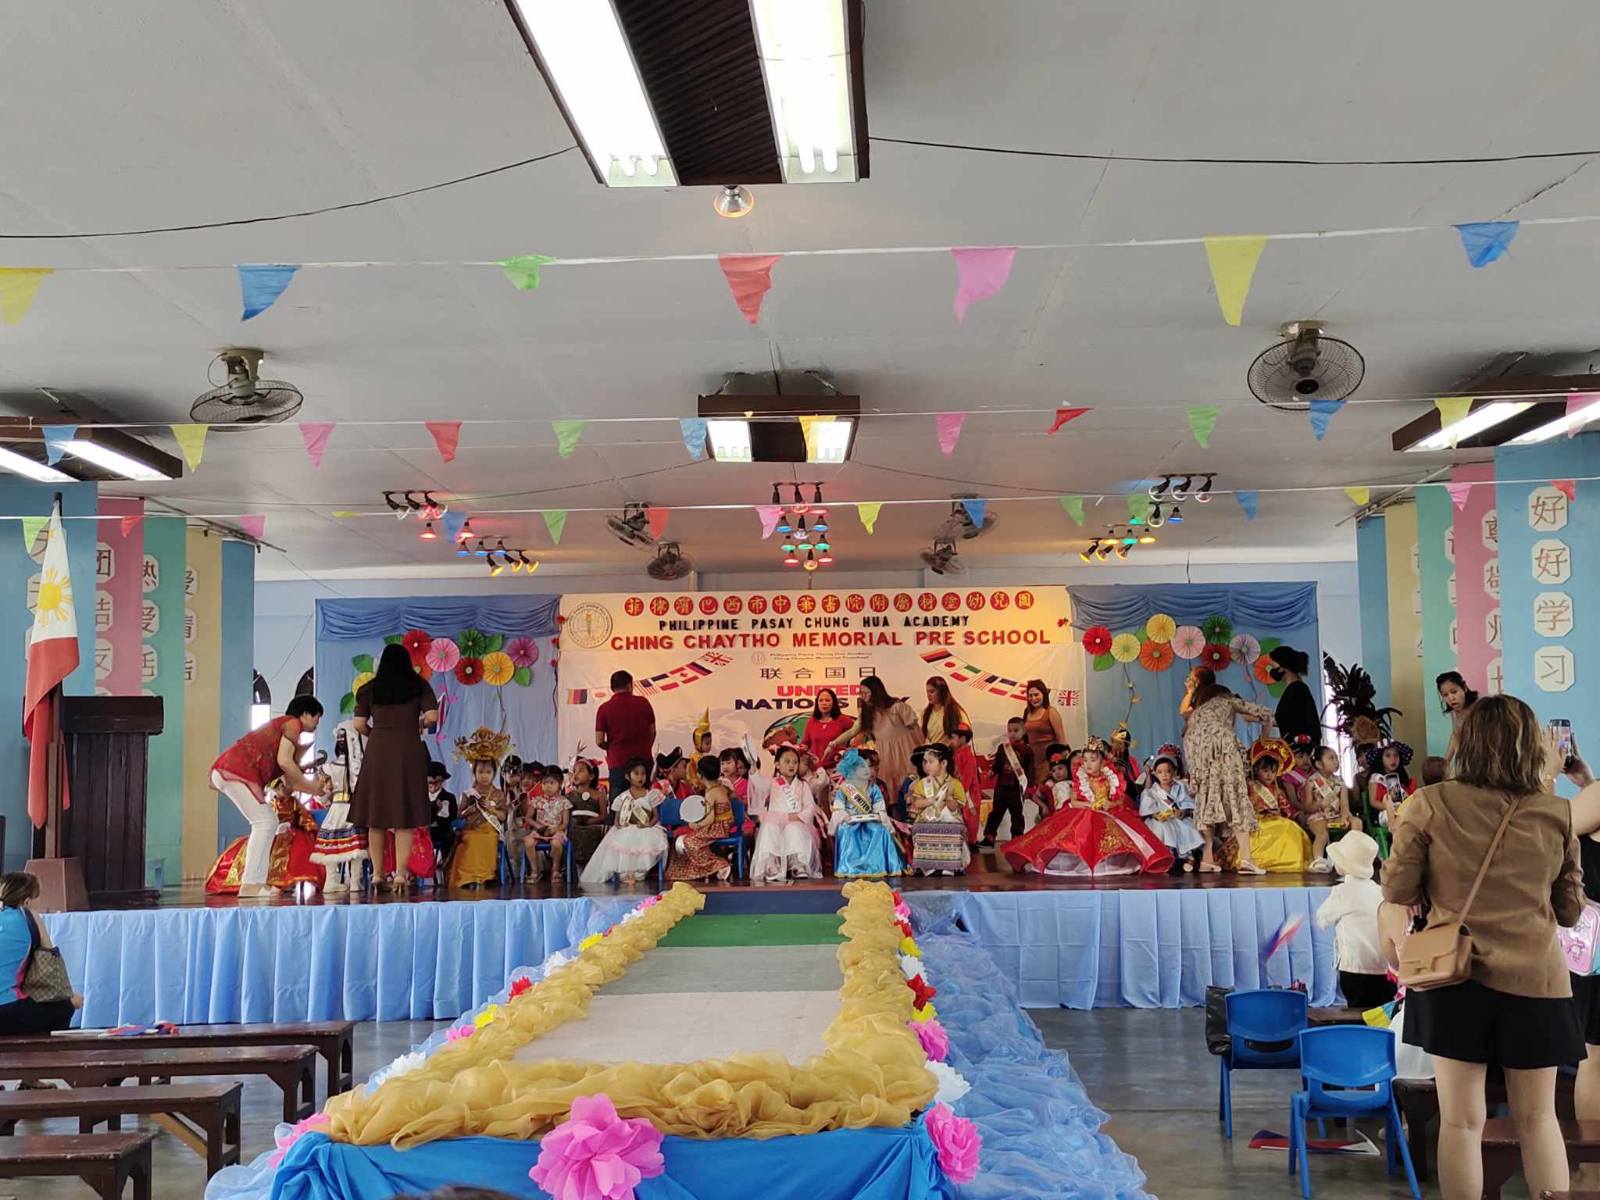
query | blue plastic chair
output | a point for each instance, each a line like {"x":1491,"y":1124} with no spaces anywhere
{"x":1348,"y":1071}
{"x":544,"y":844}
{"x":1263,"y":1028}
{"x":737,"y":841}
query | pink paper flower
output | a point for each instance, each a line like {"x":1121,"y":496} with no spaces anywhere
{"x":1187,"y":642}
{"x":596,"y":1155}
{"x":935,"y":1041}
{"x":459,"y":1033}
{"x":957,"y":1142}
{"x":443,"y":654}
{"x":296,"y":1131}
{"x":524,"y":651}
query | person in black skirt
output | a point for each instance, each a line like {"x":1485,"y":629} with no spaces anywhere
{"x":1515,"y":1010}
{"x":1586,"y":988}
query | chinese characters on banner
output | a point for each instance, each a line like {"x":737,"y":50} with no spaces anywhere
{"x":1554,"y":667}
{"x":118,"y":596}
{"x":1476,"y":530}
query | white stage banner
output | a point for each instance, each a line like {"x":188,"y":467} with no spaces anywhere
{"x":757,"y":659}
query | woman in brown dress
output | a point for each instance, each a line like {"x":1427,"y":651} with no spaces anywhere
{"x":392,"y":710}
{"x":1217,"y":774}
{"x":1041,"y":725}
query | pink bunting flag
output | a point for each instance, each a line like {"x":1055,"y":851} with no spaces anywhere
{"x":446,"y":436}
{"x":769,"y":514}
{"x":254,"y":524}
{"x":1567,"y":487}
{"x":131,"y":522}
{"x":749,"y":279}
{"x":949,"y":426}
{"x":1459,"y":494}
{"x":1576,"y":404}
{"x":983,"y":272}
{"x":658,"y":521}
{"x":1063,"y":415}
{"x":315,"y":434}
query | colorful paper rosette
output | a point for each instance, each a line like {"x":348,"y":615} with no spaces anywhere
{"x":1216,"y":656}
{"x":1125,"y":648}
{"x":1188,"y":642}
{"x":443,"y":655}
{"x":1263,"y":669}
{"x":498,"y":669}
{"x":474,"y":643}
{"x":469,"y":671}
{"x":1217,"y":628}
{"x":597,"y":1155}
{"x":1097,"y":640}
{"x":417,"y":643}
{"x":1160,"y":628}
{"x":1245,"y":648}
{"x":361,"y":681}
{"x":524,"y":651}
{"x":1156,"y":656}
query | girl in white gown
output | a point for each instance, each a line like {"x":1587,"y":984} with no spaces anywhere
{"x":787,"y":843}
{"x":636,"y":843}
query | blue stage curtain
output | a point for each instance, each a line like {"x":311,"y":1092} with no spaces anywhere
{"x":363,"y":962}
{"x":347,"y":628}
{"x":1124,"y":948}
{"x":868,"y":1164}
{"x":1286,"y":611}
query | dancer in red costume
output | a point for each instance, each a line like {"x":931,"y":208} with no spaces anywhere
{"x":1094,"y":831}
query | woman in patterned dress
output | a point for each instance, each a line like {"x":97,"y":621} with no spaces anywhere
{"x":1217,"y":771}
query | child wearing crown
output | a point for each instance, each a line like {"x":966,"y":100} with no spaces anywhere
{"x":1094,"y":831}
{"x":1168,"y":808}
{"x":486,"y":809}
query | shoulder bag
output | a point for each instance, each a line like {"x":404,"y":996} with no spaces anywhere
{"x":46,"y":978}
{"x":1441,"y":955}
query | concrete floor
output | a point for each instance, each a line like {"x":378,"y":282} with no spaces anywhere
{"x":1148,"y":1070}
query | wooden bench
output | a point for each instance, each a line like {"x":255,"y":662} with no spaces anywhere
{"x":292,"y":1068}
{"x":203,"y":1116}
{"x":334,"y":1040}
{"x":1418,"y":1101}
{"x":104,"y":1161}
{"x":1337,"y":1015}
{"x":1502,"y":1153}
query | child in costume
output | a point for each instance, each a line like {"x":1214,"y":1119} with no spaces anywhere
{"x":938,"y":827}
{"x":965,"y":768}
{"x":291,"y":863}
{"x":788,"y":840}
{"x":442,"y":805}
{"x":1013,"y":761}
{"x":548,"y":812}
{"x":1300,"y":770}
{"x":636,"y":843}
{"x":588,"y":820}
{"x":695,"y":859}
{"x":1279,"y":844}
{"x":1389,"y":784}
{"x":1168,"y":808}
{"x":1325,"y":805}
{"x":1352,"y":910}
{"x":863,"y":837}
{"x":340,"y":847}
{"x":1120,"y":758}
{"x":1094,"y":830}
{"x":485,"y":809}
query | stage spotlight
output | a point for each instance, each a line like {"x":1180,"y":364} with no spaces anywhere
{"x":784,"y":525}
{"x":1105,"y":551}
{"x":791,"y":559}
{"x":824,"y":559}
{"x":439,"y":510}
{"x":816,"y":495}
{"x":799,"y":507}
{"x":1122,"y":550}
{"x":811,"y":561}
{"x":1087,"y":554}
{"x":788,"y":547}
{"x":427,"y":534}
{"x":777,"y":500}
{"x":481,"y":549}
{"x":1147,"y":539}
{"x":1204,"y":494}
{"x":465,"y":533}
{"x":495,"y":566}
{"x":463,"y":550}
{"x":1182,"y":492}
{"x":1159,"y":489}
{"x":1177,"y":515}
{"x":1157,"y":518}
{"x":1130,"y":540}
{"x":822,"y":546}
{"x":819,"y":521}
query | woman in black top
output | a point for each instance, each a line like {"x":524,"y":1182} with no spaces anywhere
{"x":1297,"y":707}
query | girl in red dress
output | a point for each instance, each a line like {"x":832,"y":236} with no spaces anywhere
{"x":1094,"y":831}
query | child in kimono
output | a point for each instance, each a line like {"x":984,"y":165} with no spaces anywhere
{"x":636,"y":843}
{"x":863,"y":836}
{"x":787,"y":839}
{"x":1168,"y":808}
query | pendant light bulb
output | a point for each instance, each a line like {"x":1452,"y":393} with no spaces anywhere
{"x":1204,"y":494}
{"x":427,"y":534}
{"x":733,"y":202}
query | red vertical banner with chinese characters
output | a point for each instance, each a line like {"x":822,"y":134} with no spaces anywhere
{"x":118,"y":597}
{"x":1477,"y":557}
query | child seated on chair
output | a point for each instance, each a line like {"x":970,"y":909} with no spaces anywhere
{"x":1168,"y":808}
{"x":1326,"y":807}
{"x":588,"y":823}
{"x":485,"y":809}
{"x":636,"y":843}
{"x":695,"y":859}
{"x":788,"y":841}
{"x":548,"y":811}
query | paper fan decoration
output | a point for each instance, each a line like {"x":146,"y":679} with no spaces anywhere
{"x":361,"y":681}
{"x":416,"y":643}
{"x":1097,"y":640}
{"x":1245,"y":648}
{"x":1187,"y":642}
{"x":498,"y":668}
{"x":1124,"y":647}
{"x":1160,"y":628}
{"x":474,"y":643}
{"x":524,"y":651}
{"x":1217,"y":628}
{"x":443,"y":655}
{"x":424,"y":670}
{"x":469,"y":670}
{"x":1155,"y":656}
{"x":1263,"y":669}
{"x":1216,"y":656}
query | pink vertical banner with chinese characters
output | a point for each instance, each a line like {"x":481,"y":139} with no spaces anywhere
{"x":118,"y":597}
{"x":1477,"y":548}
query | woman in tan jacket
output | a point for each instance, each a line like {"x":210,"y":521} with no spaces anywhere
{"x":1515,"y":1011}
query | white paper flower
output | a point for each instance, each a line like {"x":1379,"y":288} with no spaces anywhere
{"x":952,"y":1085}
{"x":1245,"y":648}
{"x":910,"y":967}
{"x":400,"y":1066}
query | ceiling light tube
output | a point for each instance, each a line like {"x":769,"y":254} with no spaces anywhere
{"x":1474,"y":423}
{"x":829,"y":442}
{"x":1569,"y":424}
{"x":804,"y":47}
{"x":115,"y":461}
{"x":19,"y":464}
{"x":730,"y":440}
{"x":584,"y":55}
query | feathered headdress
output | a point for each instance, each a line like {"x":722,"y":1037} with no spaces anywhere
{"x":1355,"y":698}
{"x":704,"y":725}
{"x":484,"y":745}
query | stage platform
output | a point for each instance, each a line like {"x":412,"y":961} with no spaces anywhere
{"x":1141,"y":941}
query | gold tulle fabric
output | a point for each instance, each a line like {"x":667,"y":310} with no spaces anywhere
{"x":873,"y":1072}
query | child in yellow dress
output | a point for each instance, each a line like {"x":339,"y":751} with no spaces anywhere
{"x":486,"y":810}
{"x":1279,"y":845}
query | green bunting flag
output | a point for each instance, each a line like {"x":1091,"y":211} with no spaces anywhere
{"x":523,"y":271}
{"x":1073,"y":506}
{"x":555,"y":520}
{"x":1202,"y":420}
{"x":567,"y":434}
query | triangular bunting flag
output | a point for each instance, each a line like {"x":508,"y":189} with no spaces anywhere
{"x":1567,"y":487}
{"x":315,"y":435}
{"x":1576,"y":404}
{"x":693,"y":430}
{"x":261,"y":285}
{"x":1202,"y":420}
{"x":555,"y":520}
{"x":658,"y":520}
{"x":808,"y":431}
{"x":1459,"y":494}
{"x":949,"y":427}
{"x":974,"y":510}
{"x":131,"y":522}
{"x":56,"y":438}
{"x":1063,"y":415}
{"x":1321,"y":412}
{"x":523,"y":271}
{"x":1361,"y":496}
{"x":1073,"y":506}
{"x":1452,"y":410}
{"x":769,"y":514}
{"x":446,"y":437}
{"x":30,"y":531}
{"x":17,"y":288}
{"x":254,"y":524}
{"x":749,"y":278}
{"x":868,"y":514}
{"x":1248,"y":503}
{"x":453,"y":521}
{"x":1233,"y":264}
{"x":1139,"y":509}
{"x":191,"y":440}
{"x":981,"y":272}
{"x":568,"y":431}
{"x":1486,"y":241}
{"x":344,"y":514}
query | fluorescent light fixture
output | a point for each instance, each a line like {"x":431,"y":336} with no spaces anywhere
{"x":830,"y":440}
{"x":730,"y":440}
{"x":1474,"y":423}
{"x":115,"y":461}
{"x":584,"y":55}
{"x":19,"y":464}
{"x":805,"y":60}
{"x":1568,"y":424}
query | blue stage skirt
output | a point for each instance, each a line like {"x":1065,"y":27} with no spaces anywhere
{"x":866,"y":850}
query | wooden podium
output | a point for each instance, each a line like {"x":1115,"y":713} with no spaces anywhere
{"x":107,"y":767}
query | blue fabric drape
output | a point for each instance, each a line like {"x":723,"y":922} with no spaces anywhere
{"x":524,"y":616}
{"x":1269,"y":605}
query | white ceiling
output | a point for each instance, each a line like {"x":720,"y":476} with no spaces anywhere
{"x":126,"y":116}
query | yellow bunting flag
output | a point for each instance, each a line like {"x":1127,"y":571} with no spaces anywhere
{"x":17,"y":288}
{"x":1233,"y":264}
{"x":868,"y":514}
{"x":808,"y":429}
{"x":345,"y":513}
{"x":192,"y":441}
{"x":1452,"y":410}
{"x":1359,"y":495}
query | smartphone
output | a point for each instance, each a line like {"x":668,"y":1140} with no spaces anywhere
{"x":1561,"y":730}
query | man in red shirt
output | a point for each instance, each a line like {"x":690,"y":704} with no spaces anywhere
{"x":625,"y":728}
